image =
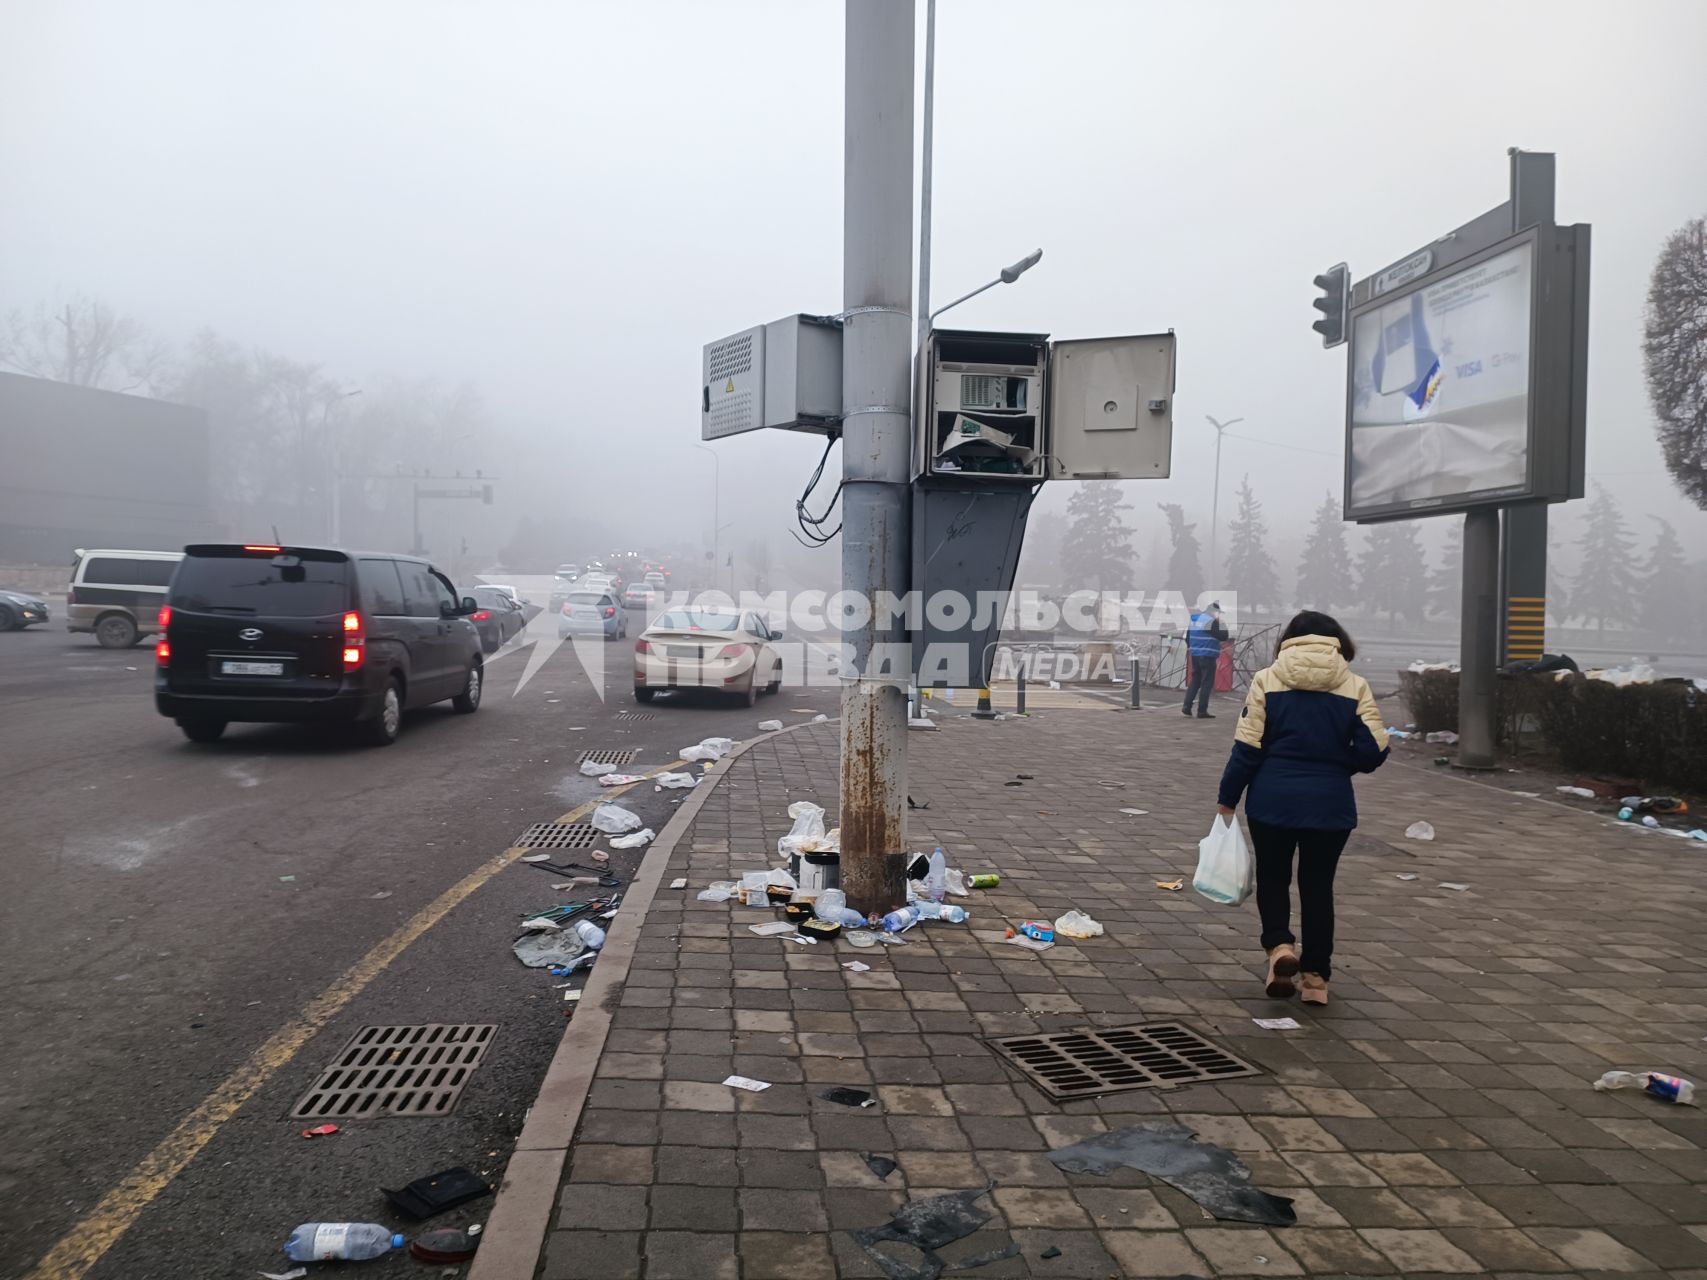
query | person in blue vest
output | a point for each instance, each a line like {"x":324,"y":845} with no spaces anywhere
{"x":1203,"y":655}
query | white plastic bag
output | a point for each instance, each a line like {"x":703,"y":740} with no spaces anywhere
{"x":769,"y":726}
{"x":1226,"y":872}
{"x":1076,"y":924}
{"x":709,"y":749}
{"x":808,"y":829}
{"x":674,"y":780}
{"x":596,"y":768}
{"x":1420,"y":831}
{"x":613,"y":818}
{"x":643,"y":836}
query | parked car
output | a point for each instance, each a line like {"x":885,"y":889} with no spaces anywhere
{"x":592,"y":609}
{"x":499,"y":619}
{"x":20,"y":609}
{"x":273,"y":634}
{"x":727,"y":649}
{"x":116,"y":595}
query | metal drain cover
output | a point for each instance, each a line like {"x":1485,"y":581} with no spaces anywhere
{"x":1081,"y":1064}
{"x":607,"y":757}
{"x":632,"y":717}
{"x":557,"y":835}
{"x":398,"y":1071}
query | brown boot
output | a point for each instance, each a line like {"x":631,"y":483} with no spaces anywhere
{"x":1315,"y":989}
{"x":1282,"y":968}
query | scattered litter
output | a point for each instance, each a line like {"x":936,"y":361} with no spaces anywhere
{"x":1441,"y":737}
{"x":680,"y":882}
{"x":437,"y":1192}
{"x":928,"y":1225}
{"x":803,"y":940}
{"x":858,"y":966}
{"x":719,"y":891}
{"x":613,"y":818}
{"x":1400,"y":734}
{"x":1046,"y":813}
{"x":1026,"y":777}
{"x":1528,"y":795}
{"x":773,"y":929}
{"x":320,"y":1131}
{"x":446,"y":1244}
{"x":597,"y":768}
{"x":536,"y":857}
{"x":849,"y":1097}
{"x":1209,"y":1174}
{"x":860,"y":938}
{"x":1013,"y":784}
{"x":956,"y":884}
{"x":882,"y":1166}
{"x":1581,"y":792}
{"x":1135,"y":813}
{"x":540,"y":924}
{"x":634,"y":841}
{"x":808,"y":834}
{"x":1076,"y":924}
{"x":1453,"y":885}
{"x":575,"y":880}
{"x":1419,"y":831}
{"x":295,"y":1273}
{"x":801,"y":711}
{"x":545,"y":950}
{"x":573,"y":997}
{"x":340,"y":1241}
{"x":599,"y":856}
{"x":1172,"y":886}
{"x":747,"y":1083}
{"x":1406,"y":875}
{"x":1053,"y":1252}
{"x":1443,"y":760}
{"x":1226,"y":872}
{"x":1111,"y":784}
{"x":287,"y":879}
{"x":665,"y":780}
{"x":1277,"y":1024}
{"x":769,"y":726}
{"x":621,"y":779}
{"x":819,"y":718}
{"x":1671,"y":1088}
{"x":708,"y":749}
{"x":984,"y":880}
{"x":383,"y":893}
{"x":1030,"y":944}
{"x":914,"y":804}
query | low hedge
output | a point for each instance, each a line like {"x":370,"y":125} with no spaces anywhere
{"x":1656,"y":733}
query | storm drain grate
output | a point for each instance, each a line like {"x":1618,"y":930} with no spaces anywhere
{"x":607,"y":757}
{"x":1080,"y":1064}
{"x":398,"y":1071}
{"x":557,"y":835}
{"x":634,"y":717}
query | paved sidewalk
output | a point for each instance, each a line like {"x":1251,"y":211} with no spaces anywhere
{"x":1436,"y":1120}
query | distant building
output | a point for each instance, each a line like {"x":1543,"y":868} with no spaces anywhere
{"x":86,"y":468}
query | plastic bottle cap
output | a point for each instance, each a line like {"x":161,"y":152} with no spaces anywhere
{"x":397,"y":1242}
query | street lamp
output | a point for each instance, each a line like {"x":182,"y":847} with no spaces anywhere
{"x":716,"y":507}
{"x":333,"y":456}
{"x":1215,"y":502}
{"x":1008,"y":275}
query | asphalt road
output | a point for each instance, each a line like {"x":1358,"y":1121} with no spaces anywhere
{"x":166,"y":909}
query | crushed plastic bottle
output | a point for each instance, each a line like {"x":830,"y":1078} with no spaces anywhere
{"x":340,"y":1242}
{"x":832,"y":906}
{"x":946,"y":911}
{"x":590,"y":933}
{"x":902,"y":918}
{"x":1038,"y":930}
{"x":936,"y":879}
{"x":1671,"y":1088}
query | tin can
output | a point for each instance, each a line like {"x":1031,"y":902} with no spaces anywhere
{"x":989,"y":880}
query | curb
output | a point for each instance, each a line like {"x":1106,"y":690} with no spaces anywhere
{"x":515,"y":1231}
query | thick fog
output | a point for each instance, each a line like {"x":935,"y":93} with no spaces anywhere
{"x":554,"y":205}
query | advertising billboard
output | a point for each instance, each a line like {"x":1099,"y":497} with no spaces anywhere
{"x":1440,"y":403}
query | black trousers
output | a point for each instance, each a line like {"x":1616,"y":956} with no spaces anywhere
{"x":1318,"y":854}
{"x":1200,"y":681}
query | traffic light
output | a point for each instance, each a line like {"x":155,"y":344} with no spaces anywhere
{"x":1335,"y":284}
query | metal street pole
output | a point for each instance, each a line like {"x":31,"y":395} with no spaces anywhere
{"x":1478,"y":652}
{"x":716,"y":509}
{"x":925,"y":162}
{"x":1214,"y":583}
{"x":877,"y":226}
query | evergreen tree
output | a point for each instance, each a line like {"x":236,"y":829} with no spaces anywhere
{"x":1665,"y":580}
{"x":1185,"y":568}
{"x":1605,"y":586}
{"x":1096,"y":552}
{"x":1250,"y":568}
{"x":1324,"y":570}
{"x":1446,"y":583}
{"x":1392,"y":572}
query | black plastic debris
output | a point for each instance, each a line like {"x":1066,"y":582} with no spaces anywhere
{"x":1210,"y":1175}
{"x":848,"y":1097}
{"x":1050,"y":1252}
{"x":928,"y":1225}
{"x":882,"y":1166}
{"x":914,"y":804}
{"x":445,"y":1244}
{"x":437,"y":1192}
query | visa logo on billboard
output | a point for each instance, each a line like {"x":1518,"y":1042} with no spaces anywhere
{"x":1469,"y":370}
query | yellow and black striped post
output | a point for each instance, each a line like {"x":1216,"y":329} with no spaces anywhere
{"x":1525,"y":628}
{"x":985,"y":711}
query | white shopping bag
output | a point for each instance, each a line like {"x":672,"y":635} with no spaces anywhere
{"x":1226,"y":872}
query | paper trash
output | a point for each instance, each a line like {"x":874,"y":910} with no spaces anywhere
{"x":635,"y":841}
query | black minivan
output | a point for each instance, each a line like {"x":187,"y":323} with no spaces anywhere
{"x":275,"y":634}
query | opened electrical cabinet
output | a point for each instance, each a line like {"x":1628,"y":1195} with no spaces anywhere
{"x":1016,"y":408}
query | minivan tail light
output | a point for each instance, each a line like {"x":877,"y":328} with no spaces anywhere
{"x":165,"y":616}
{"x":268,"y":550}
{"x":355,"y":640}
{"x":162,"y":654}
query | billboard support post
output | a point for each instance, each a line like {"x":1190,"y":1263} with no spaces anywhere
{"x":1478,"y":645}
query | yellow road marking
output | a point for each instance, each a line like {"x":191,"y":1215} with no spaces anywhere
{"x":99,"y":1230}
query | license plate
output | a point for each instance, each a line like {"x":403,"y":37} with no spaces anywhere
{"x":251,"y":668}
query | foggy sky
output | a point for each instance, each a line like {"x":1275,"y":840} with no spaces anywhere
{"x":563,"y":201}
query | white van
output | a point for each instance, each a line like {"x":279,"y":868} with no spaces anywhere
{"x":116,"y":595}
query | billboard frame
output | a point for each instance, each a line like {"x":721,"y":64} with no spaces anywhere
{"x":1558,"y":370}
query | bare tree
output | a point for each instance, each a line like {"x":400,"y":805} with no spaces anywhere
{"x":86,"y":343}
{"x":1675,"y":348}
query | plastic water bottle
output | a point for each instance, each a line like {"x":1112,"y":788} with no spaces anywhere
{"x":832,"y":906}
{"x":590,"y":933}
{"x":902,"y":918}
{"x":936,"y":879}
{"x":340,"y":1241}
{"x":1626,"y":813}
{"x":941,"y":911}
{"x":1671,"y":1088}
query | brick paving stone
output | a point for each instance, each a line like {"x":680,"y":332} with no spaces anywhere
{"x":1243,"y":1251}
{"x":591,"y":1255}
{"x":1041,"y":1207}
{"x":775,"y":1209}
{"x":691,"y":1255}
{"x":592,"y":1206}
{"x":1330,"y":1252}
{"x":1504,"y":1249}
{"x":771,"y":1256}
{"x":1588,"y":1250}
{"x":1144,"y":1255}
{"x":1081,"y":1254}
{"x":1413,"y":1251}
{"x":683,"y":1208}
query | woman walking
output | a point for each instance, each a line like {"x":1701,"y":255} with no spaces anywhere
{"x":1307,"y":726}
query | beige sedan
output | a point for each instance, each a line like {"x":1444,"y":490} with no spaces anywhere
{"x":691,"y":648}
